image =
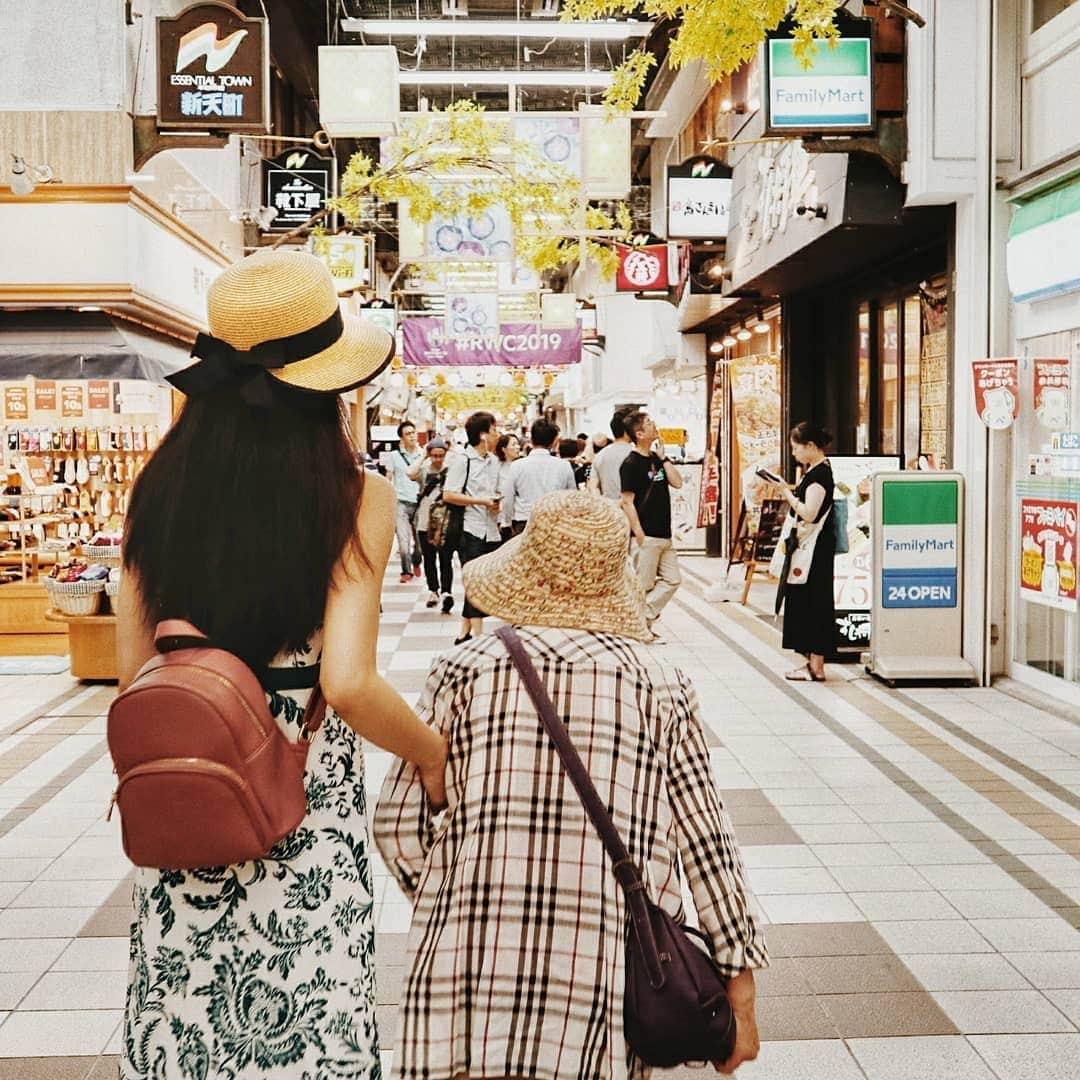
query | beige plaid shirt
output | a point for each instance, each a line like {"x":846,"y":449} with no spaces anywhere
{"x":516,"y":952}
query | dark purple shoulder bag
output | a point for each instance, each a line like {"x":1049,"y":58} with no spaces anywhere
{"x":676,"y":1005}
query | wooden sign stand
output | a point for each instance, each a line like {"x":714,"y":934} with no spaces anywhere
{"x":754,"y":547}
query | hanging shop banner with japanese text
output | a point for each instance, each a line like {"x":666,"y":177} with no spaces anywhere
{"x":642,"y":269}
{"x":426,"y":343}
{"x":297,"y":184}
{"x":1048,"y":552}
{"x":709,"y":496}
{"x":699,"y":199}
{"x":755,"y":398}
{"x":1053,"y":392}
{"x":997,"y":396}
{"x":213,"y":70}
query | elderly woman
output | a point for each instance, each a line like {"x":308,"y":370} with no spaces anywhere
{"x":517,"y":950}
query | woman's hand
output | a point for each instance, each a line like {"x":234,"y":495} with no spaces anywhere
{"x":433,"y":776}
{"x":741,"y":994}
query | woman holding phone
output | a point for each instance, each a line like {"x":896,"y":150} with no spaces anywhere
{"x":809,"y":610}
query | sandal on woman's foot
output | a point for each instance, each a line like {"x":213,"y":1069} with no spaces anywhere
{"x":803,"y":674}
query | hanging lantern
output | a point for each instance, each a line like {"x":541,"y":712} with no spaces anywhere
{"x":358,"y":90}
{"x":549,"y":378}
{"x":519,"y":378}
{"x":397,"y":364}
{"x":410,"y":379}
{"x":440,"y":379}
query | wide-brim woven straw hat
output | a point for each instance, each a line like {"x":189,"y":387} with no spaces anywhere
{"x":278,"y":294}
{"x":569,"y":568}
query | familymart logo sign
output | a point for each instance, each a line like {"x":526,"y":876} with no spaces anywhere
{"x":835,"y":93}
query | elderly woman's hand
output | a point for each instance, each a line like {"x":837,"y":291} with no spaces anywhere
{"x":433,"y":776}
{"x":741,"y":994}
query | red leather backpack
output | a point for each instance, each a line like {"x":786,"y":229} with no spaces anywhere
{"x":205,"y":775}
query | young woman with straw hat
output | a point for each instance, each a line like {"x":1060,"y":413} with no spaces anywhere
{"x":253,"y":522}
{"x":515,"y":960}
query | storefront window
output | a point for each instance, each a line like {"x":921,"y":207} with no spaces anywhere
{"x":889,"y":377}
{"x":912,"y":346}
{"x":1046,"y":507}
{"x":862,"y":431}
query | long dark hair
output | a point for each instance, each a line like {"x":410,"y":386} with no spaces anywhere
{"x":239,"y":517}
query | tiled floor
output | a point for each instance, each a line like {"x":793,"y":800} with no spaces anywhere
{"x":915,"y":853}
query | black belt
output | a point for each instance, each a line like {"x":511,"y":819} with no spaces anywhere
{"x":290,"y":678}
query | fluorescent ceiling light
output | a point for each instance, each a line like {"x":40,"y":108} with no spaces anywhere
{"x":500,"y":28}
{"x":582,"y":79}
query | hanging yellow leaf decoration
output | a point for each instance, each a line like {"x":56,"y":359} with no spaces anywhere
{"x":723,"y":34}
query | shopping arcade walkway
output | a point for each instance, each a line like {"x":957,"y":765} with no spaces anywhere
{"x":916,"y":854}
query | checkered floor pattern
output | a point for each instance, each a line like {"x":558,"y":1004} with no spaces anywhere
{"x":914,"y":854}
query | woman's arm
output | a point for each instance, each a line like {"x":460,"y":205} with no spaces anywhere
{"x":350,"y":679}
{"x":134,"y":636}
{"x":811,"y":505}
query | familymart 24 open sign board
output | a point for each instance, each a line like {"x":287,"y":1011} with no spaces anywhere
{"x":917,"y":622}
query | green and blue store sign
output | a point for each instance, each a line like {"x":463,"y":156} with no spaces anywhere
{"x":920,"y":545}
{"x":834,"y":92}
{"x":1043,"y":253}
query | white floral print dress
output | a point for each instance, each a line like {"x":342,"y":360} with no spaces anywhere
{"x":266,"y":968}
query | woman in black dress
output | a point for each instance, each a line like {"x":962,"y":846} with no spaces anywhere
{"x":809,"y":611}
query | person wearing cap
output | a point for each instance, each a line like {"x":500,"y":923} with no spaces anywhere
{"x":253,"y":522}
{"x":430,"y":475}
{"x":515,"y":956}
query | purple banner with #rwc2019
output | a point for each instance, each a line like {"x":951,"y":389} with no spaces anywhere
{"x":426,"y":343}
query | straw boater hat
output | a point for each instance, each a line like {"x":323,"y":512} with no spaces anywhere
{"x":569,"y":568}
{"x":275,"y":316}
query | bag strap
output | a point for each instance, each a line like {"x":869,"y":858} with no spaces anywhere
{"x":627,"y":874}
{"x":468,"y":466}
{"x":172,"y":635}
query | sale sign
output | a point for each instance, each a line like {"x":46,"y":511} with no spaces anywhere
{"x":100,"y":397}
{"x":45,"y":395}
{"x":16,"y":403}
{"x":642,"y":269}
{"x":71,"y":400}
{"x":1048,"y":552}
{"x":1052,"y":393}
{"x":997,"y":398}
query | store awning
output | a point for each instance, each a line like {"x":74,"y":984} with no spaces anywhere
{"x":58,"y":344}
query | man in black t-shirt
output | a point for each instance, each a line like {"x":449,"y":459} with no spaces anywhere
{"x":646,"y":500}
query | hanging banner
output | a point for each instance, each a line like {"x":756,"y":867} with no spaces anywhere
{"x":71,"y":400}
{"x":213,"y":70}
{"x":997,"y":397}
{"x":642,"y":269}
{"x":1048,"y":552}
{"x":386,"y":317}
{"x":100,"y":397}
{"x":16,"y":403}
{"x":45,"y":395}
{"x":426,"y":343}
{"x":1053,"y":392}
{"x":755,"y":398}
{"x":348,"y":258}
{"x":699,"y":199}
{"x":297,"y":184}
{"x":555,"y":139}
{"x":605,"y":155}
{"x":709,"y":496}
{"x":488,"y":234}
{"x":477,"y":313}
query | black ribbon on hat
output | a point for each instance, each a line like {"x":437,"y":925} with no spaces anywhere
{"x":220,"y":363}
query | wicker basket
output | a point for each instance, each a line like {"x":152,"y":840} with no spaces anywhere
{"x":112,"y":591}
{"x":103,"y":555}
{"x":75,"y":597}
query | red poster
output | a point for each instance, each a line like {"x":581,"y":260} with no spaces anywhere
{"x":100,"y":397}
{"x":1052,"y":393}
{"x":997,"y":398}
{"x":1048,"y":552}
{"x":709,"y":497}
{"x":71,"y":400}
{"x":16,"y":403}
{"x":45,"y":395}
{"x":642,"y":268}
